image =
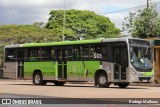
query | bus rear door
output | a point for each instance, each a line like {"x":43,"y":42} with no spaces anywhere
{"x":20,"y":63}
{"x":62,"y":56}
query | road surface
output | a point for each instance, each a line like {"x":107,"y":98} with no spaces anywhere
{"x":25,"y":89}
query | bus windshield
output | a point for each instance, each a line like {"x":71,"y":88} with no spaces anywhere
{"x":141,"y":55}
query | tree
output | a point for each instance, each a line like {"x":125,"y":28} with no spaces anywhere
{"x":1,"y":55}
{"x":143,"y":23}
{"x":39,"y":24}
{"x":19,"y":34}
{"x":86,"y":24}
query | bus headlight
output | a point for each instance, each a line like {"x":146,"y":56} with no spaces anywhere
{"x":133,"y":72}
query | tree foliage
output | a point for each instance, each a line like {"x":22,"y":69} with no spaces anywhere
{"x":18,"y":34}
{"x":143,"y":23}
{"x":79,"y":24}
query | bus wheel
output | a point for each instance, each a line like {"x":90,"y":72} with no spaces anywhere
{"x":123,"y":85}
{"x":37,"y":79}
{"x":102,"y":80}
{"x":58,"y":83}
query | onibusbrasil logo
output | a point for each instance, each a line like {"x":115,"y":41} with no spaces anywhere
{"x":21,"y":101}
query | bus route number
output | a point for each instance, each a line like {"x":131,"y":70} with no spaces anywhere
{"x":97,"y":55}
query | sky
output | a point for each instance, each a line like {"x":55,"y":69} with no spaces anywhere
{"x":30,"y":11}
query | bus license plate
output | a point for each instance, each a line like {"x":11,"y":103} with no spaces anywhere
{"x":144,"y":80}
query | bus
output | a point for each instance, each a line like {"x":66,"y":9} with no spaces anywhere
{"x":103,"y":61}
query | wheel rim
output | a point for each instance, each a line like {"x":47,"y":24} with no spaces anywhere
{"x":102,"y":80}
{"x":37,"y":79}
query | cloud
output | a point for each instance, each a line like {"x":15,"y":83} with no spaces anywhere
{"x":28,"y":12}
{"x":117,"y":18}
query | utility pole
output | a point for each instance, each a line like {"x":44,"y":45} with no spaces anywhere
{"x":148,"y":16}
{"x":64,"y":21}
{"x":147,"y":4}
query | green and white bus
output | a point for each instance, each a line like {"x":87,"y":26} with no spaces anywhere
{"x":103,"y":61}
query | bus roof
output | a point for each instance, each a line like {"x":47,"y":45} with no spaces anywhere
{"x":69,"y":42}
{"x":54,"y":43}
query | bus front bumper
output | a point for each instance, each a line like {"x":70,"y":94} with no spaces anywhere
{"x":141,"y":79}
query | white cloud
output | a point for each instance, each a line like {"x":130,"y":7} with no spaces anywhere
{"x":117,"y":18}
{"x":27,"y":12}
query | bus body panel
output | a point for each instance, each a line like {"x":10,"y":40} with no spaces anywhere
{"x":10,"y":70}
{"x":82,"y":70}
{"x":109,"y":67}
{"x":76,"y":70}
{"x":48,"y":69}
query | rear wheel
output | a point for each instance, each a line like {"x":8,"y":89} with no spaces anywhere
{"x":102,"y":80}
{"x":123,"y":85}
{"x":37,"y":79}
{"x":59,"y":83}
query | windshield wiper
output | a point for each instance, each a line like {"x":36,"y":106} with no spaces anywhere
{"x":146,"y":51}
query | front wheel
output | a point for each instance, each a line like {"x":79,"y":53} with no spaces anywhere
{"x":37,"y":79}
{"x":123,"y":85}
{"x":102,"y":80}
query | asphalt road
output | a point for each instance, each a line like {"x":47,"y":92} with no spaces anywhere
{"x":25,"y":89}
{"x":76,"y":90}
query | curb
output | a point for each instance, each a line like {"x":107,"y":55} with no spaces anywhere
{"x":145,"y":84}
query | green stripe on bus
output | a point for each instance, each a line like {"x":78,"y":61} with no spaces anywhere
{"x":61,"y":43}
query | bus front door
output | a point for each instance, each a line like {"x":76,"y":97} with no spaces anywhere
{"x":120,"y":62}
{"x":62,"y":55}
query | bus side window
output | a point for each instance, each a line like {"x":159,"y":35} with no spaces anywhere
{"x":45,"y":53}
{"x":76,"y":53}
{"x":105,"y":52}
{"x":92,"y":51}
{"x":34,"y":54}
{"x":85,"y":50}
{"x":10,"y":55}
{"x":96,"y":51}
{"x":52,"y":53}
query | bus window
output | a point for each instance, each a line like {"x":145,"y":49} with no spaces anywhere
{"x":98,"y":51}
{"x":76,"y":53}
{"x":45,"y":53}
{"x":52,"y":53}
{"x":81,"y":52}
{"x":105,"y":52}
{"x":10,"y":55}
{"x":34,"y":54}
{"x":92,"y":51}
{"x":85,"y":50}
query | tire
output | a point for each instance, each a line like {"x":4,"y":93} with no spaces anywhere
{"x":58,"y":83}
{"x":102,"y":80}
{"x":38,"y":80}
{"x":123,"y":85}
